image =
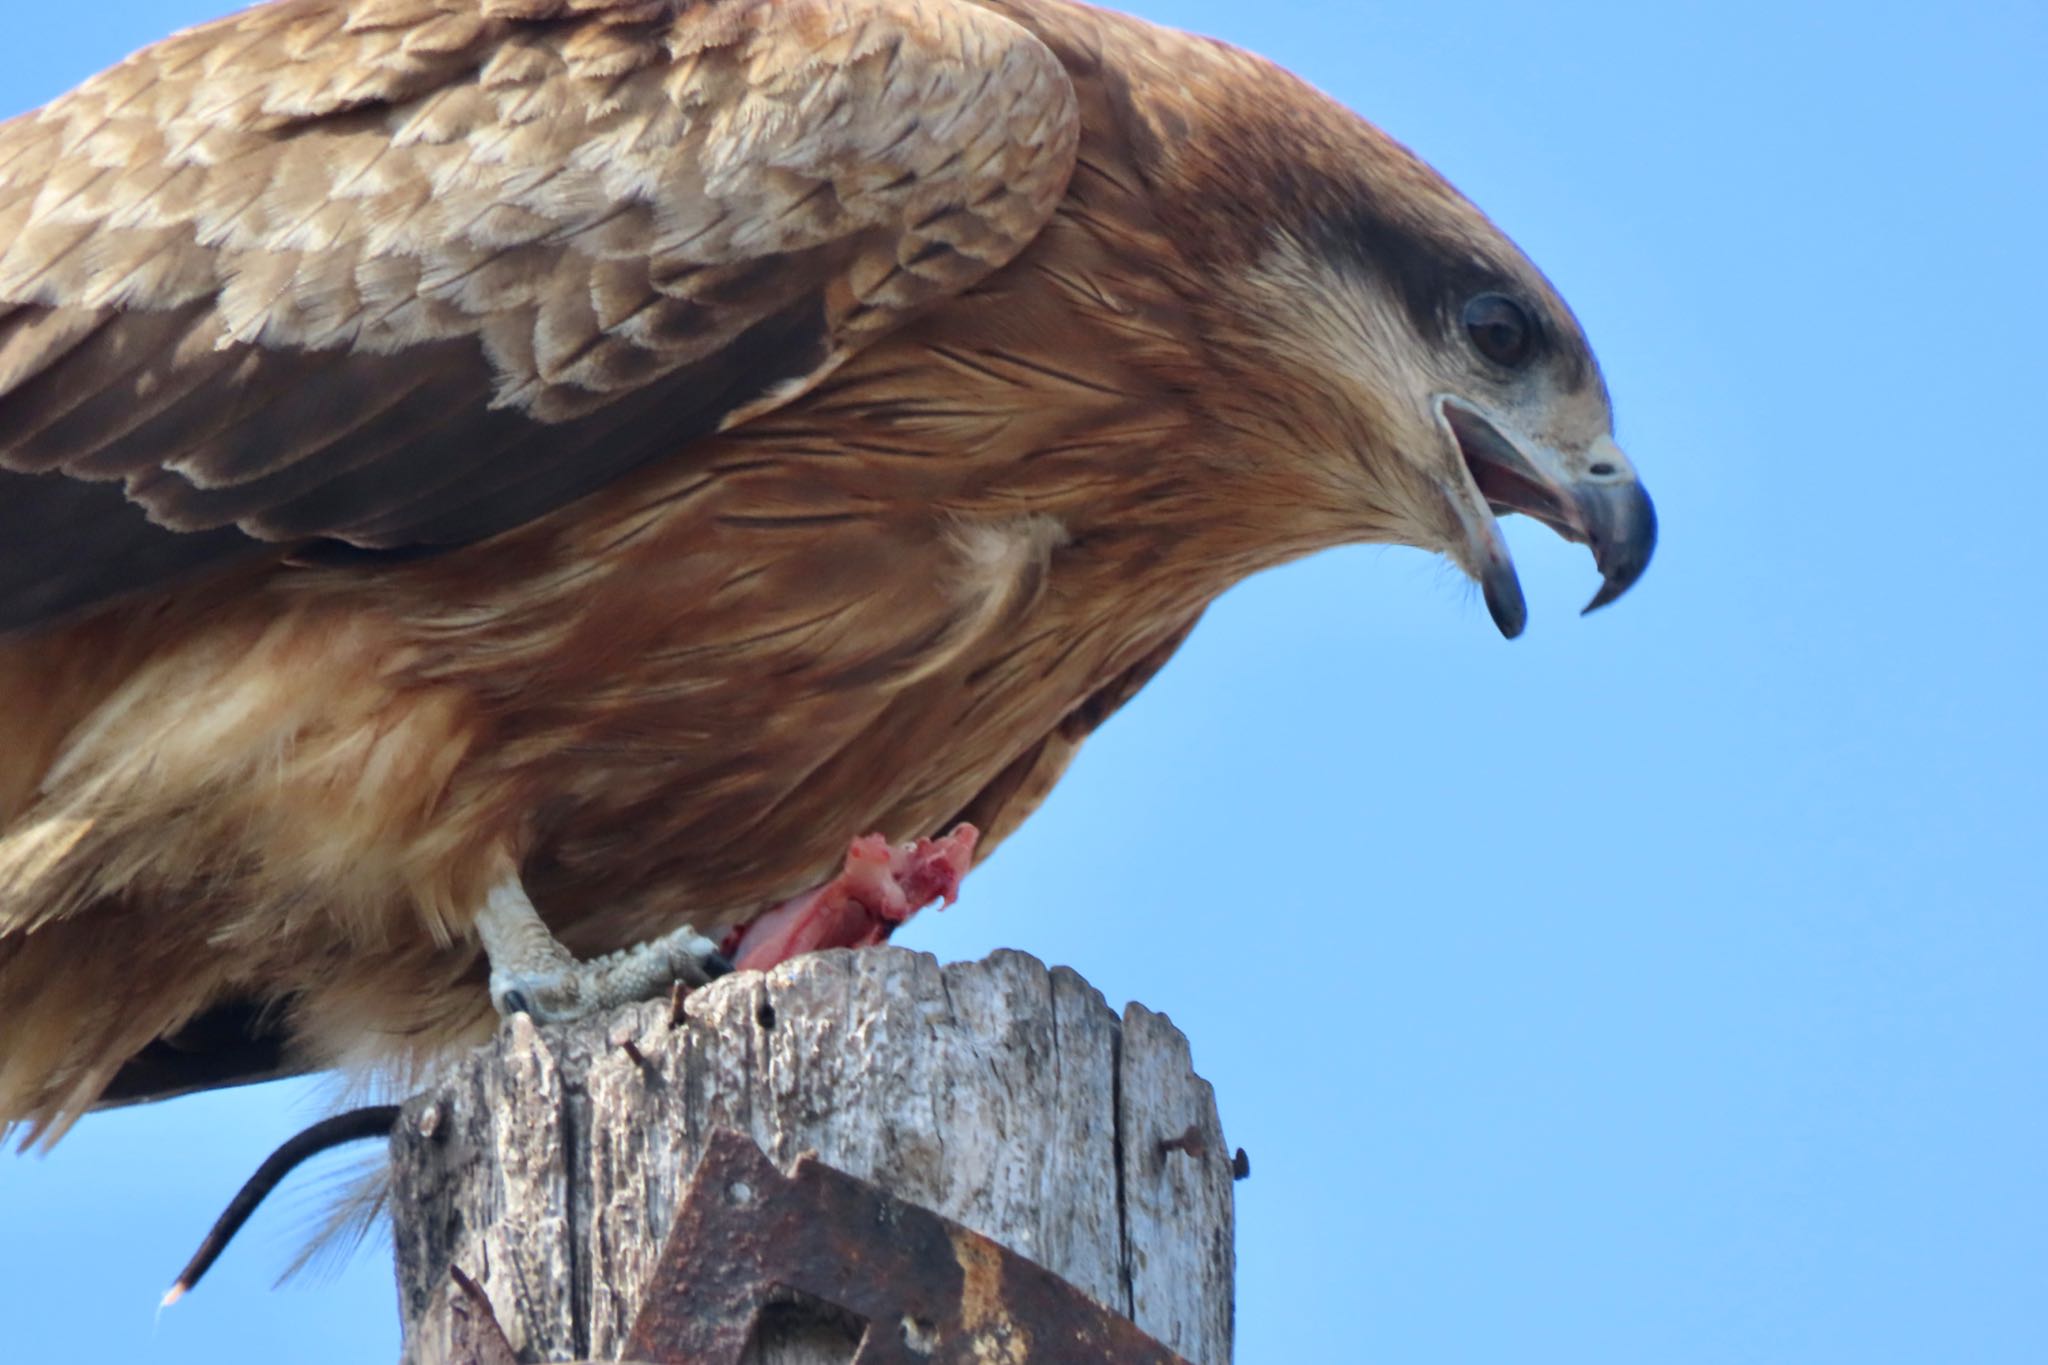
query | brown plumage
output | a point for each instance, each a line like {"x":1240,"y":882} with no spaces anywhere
{"x":637,"y":445}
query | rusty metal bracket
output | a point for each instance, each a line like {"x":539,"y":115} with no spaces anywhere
{"x":474,"y":1336}
{"x":925,"y":1290}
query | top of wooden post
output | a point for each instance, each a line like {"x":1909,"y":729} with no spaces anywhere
{"x":1008,"y":1097}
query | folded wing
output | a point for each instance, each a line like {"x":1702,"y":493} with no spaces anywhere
{"x":380,"y":276}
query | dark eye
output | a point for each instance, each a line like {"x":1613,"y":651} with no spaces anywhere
{"x":1501,"y":329}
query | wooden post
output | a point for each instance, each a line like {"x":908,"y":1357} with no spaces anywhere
{"x":549,"y":1167}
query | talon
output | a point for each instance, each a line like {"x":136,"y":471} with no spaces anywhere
{"x":514,"y":1002}
{"x":717,"y":964}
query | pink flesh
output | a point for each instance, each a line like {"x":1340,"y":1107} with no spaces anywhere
{"x":877,"y":889}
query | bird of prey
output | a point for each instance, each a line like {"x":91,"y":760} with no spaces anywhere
{"x":486,"y":484}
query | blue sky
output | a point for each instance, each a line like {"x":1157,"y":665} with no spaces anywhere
{"x":1662,"y":986}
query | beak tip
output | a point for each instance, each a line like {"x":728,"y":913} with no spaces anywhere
{"x":1504,"y":601}
{"x":1610,"y":590}
{"x":1624,"y":537}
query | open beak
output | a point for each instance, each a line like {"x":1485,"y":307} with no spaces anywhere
{"x":1594,"y":500}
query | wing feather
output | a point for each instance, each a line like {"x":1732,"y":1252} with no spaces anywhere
{"x":402,"y":274}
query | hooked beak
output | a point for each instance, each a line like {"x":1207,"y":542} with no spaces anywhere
{"x":1594,"y":500}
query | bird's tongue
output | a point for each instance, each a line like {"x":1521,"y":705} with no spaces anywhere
{"x":878,"y":888}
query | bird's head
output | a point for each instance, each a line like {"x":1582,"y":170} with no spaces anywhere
{"x":1407,"y":374}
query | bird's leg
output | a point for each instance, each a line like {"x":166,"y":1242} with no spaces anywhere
{"x":532,"y":973}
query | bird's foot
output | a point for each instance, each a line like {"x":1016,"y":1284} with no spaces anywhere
{"x":533,"y":974}
{"x":878,"y":888}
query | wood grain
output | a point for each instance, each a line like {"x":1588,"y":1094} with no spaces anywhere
{"x":1001,"y":1094}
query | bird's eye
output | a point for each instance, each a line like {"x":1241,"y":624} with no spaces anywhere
{"x":1501,"y":329}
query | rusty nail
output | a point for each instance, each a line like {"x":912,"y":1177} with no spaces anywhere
{"x":1192,"y":1142}
{"x":675,"y":1003}
{"x":469,"y":1287}
{"x":632,"y":1049}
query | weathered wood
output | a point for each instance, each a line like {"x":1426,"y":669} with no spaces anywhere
{"x":1002,"y":1095}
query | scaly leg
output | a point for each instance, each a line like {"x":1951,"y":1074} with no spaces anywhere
{"x":531,"y":973}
